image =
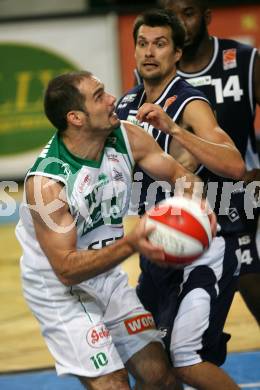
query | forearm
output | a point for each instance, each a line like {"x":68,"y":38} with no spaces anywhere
{"x":80,"y":265}
{"x":224,"y":160}
{"x":189,"y":185}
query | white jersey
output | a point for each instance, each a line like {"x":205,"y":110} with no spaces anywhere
{"x":98,"y":195}
{"x":94,"y":327}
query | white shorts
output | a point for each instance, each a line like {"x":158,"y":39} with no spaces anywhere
{"x":93,"y":328}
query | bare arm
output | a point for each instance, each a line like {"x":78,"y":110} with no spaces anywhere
{"x":185,"y":158}
{"x":153,"y":160}
{"x":158,"y":164}
{"x":209,"y":144}
{"x":57,"y":237}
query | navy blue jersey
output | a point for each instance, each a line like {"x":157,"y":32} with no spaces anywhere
{"x":227,"y":81}
{"x":173,"y":99}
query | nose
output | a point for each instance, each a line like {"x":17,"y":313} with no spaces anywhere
{"x":112,"y":98}
{"x":149,"y":50}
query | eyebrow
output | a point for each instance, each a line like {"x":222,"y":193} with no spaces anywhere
{"x":156,"y":39}
{"x":99,"y":89}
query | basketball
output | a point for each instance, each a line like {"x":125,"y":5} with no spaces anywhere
{"x":182,"y":228}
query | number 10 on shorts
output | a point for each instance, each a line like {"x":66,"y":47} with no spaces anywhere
{"x":99,"y":360}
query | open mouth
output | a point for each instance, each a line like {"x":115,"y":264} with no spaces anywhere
{"x":150,"y":65}
{"x":113,"y":115}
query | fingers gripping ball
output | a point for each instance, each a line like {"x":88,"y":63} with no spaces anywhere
{"x":182,"y":229}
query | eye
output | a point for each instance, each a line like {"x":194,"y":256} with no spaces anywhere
{"x":141,"y":43}
{"x":189,"y":13}
{"x":161,"y":44}
{"x":99,"y":96}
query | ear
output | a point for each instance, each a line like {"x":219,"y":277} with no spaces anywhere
{"x":178,"y":54}
{"x":75,"y":118}
{"x":207,"y":16}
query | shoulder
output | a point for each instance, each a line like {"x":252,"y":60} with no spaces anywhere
{"x":183,"y":94}
{"x":50,"y":162}
{"x":42,"y":190}
{"x":188,"y":90}
{"x":240,"y":47}
{"x":136,"y":134}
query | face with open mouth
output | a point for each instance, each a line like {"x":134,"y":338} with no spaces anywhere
{"x":155,"y":52}
{"x":100,"y":106}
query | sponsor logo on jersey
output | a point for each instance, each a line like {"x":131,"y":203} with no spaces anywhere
{"x":98,"y":336}
{"x":244,"y":240}
{"x":232,"y":214}
{"x":229,"y":59}
{"x":112,"y":157}
{"x":199,"y":81}
{"x":163,"y":332}
{"x":85,"y":181}
{"x":117,"y":176}
{"x":169,"y":101}
{"x":139,"y":323}
{"x":129,"y":98}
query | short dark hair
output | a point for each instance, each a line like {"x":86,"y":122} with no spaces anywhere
{"x":158,"y":18}
{"x":62,"y":95}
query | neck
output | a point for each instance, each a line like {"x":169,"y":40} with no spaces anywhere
{"x":85,"y":145}
{"x":196,"y":58}
{"x":154,"y":88}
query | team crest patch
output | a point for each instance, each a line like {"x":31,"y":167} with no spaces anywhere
{"x":99,"y":336}
{"x":229,"y":59}
{"x":169,"y":101}
{"x":139,"y":323}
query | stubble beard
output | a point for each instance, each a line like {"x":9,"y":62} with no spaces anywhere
{"x":191,"y":48}
{"x":152,"y":79}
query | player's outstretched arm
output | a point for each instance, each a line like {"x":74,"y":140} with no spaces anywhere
{"x":56,"y":233}
{"x":207,"y":142}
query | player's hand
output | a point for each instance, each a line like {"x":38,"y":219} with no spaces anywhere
{"x":138,"y":239}
{"x":157,"y":117}
{"x":212,"y":216}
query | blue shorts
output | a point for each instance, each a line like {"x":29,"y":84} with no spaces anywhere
{"x":190,"y":306}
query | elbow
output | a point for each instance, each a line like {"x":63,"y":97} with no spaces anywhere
{"x":66,"y":281}
{"x":239,"y":170}
{"x":64,"y":278}
{"x":64,"y":275}
{"x":234,"y":168}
